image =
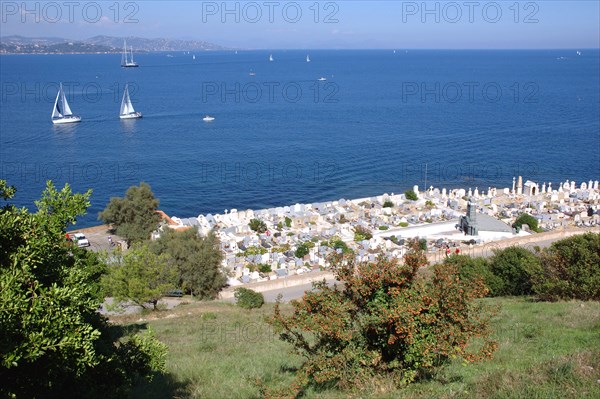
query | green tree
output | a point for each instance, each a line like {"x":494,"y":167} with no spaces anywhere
{"x":288,"y":222}
{"x":514,"y":267}
{"x":570,"y":269}
{"x":527,"y":219}
{"x":385,"y":321}
{"x":133,"y":217}
{"x":411,"y":195}
{"x":388,"y":204}
{"x":53,"y":341}
{"x":140,"y":276}
{"x":197,"y":259}
{"x":257,"y":225}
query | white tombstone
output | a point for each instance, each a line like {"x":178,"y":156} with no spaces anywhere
{"x":596,"y":185}
{"x":550,"y":187}
{"x":590,"y":185}
{"x":506,"y":191}
{"x":520,"y":186}
{"x":513,"y":186}
{"x":416,"y":189}
{"x":470,"y":194}
{"x":476,"y":193}
{"x":583,"y":186}
{"x":544,"y":188}
{"x":444,"y":194}
{"x":566,"y":186}
{"x":573,"y":185}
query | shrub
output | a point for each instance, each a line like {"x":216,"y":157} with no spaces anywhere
{"x":570,"y":269}
{"x":514,"y":267}
{"x":383,"y":227}
{"x":248,"y":299}
{"x":288,"y":222}
{"x":254,"y":250}
{"x":257,"y":225}
{"x":384,"y":321}
{"x":527,"y":219}
{"x":388,"y":204}
{"x":411,"y":195}
{"x":471,"y":269}
{"x":301,"y":251}
{"x":362,"y":233}
{"x":403,"y":224}
{"x":264,"y":268}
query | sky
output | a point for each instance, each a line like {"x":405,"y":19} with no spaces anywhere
{"x":345,"y":24}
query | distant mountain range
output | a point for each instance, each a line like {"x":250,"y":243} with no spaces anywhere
{"x":97,"y":45}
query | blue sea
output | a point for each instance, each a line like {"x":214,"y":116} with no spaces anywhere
{"x":379,"y":122}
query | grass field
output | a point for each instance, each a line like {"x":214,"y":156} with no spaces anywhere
{"x":217,"y":350}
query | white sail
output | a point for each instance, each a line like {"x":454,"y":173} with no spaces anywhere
{"x":307,"y":58}
{"x":125,"y":61}
{"x":56,"y":111}
{"x":271,"y":57}
{"x":126,"y":106}
{"x":62,"y":112}
{"x":127,"y":111}
{"x":66,"y":110}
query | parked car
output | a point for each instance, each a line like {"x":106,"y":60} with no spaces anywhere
{"x":80,"y":240}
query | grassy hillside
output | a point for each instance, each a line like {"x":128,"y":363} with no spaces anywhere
{"x":547,"y":350}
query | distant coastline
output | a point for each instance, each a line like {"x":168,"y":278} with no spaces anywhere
{"x":98,"y":45}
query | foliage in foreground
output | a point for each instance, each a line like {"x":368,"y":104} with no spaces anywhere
{"x":248,"y":299}
{"x":386,"y":321}
{"x":133,"y":217}
{"x":53,"y":342}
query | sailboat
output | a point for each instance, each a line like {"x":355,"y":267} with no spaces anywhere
{"x":125,"y":61}
{"x":127,"y":111}
{"x":194,"y":56}
{"x":62,"y":112}
{"x":307,"y":58}
{"x":271,"y":57}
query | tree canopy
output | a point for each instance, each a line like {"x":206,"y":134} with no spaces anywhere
{"x":140,"y":276}
{"x":53,"y":341}
{"x":197,"y":260}
{"x":133,"y":217}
